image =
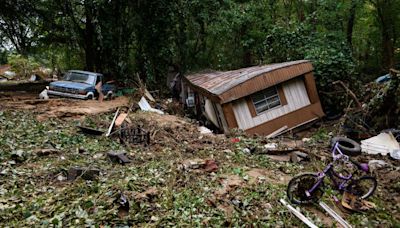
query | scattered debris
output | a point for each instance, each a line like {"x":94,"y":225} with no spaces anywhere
{"x":112,"y":123}
{"x":204,"y":131}
{"x":335,"y":215}
{"x":148,"y":194}
{"x":277,"y":132}
{"x":90,"y":131}
{"x":377,"y":164}
{"x":18,"y":156}
{"x":384,"y":144}
{"x":298,"y":214}
{"x":134,"y":135}
{"x":118,"y":157}
{"x":86,"y":174}
{"x":207,"y":165}
{"x":285,"y":151}
{"x":46,"y":152}
{"x":149,"y":96}
{"x":284,"y":155}
{"x":145,"y":106}
{"x":236,"y":187}
{"x":120,"y":119}
{"x":210,"y":166}
{"x":353,"y":203}
{"x":123,"y":203}
{"x":61,"y":178}
{"x":271,"y":146}
{"x":228,"y":184}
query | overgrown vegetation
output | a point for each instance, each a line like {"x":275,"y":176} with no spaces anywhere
{"x":23,"y":66}
{"x":353,"y":41}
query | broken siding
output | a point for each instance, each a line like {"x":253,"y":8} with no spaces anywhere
{"x":215,"y":114}
{"x":296,"y":96}
{"x":223,"y":119}
{"x":210,"y":113}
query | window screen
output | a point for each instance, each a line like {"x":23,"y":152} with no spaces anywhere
{"x":266,"y":99}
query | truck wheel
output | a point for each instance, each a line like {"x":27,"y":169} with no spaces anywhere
{"x":109,"y":96}
{"x":90,"y":97}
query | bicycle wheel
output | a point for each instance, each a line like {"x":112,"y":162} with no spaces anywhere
{"x":297,"y":187}
{"x":363,"y":187}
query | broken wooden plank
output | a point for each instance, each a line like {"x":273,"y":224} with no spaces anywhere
{"x":277,"y":132}
{"x":149,"y":96}
{"x":283,"y":151}
{"x":298,"y":214}
{"x":112,"y":123}
{"x":335,"y":215}
{"x":120,"y":119}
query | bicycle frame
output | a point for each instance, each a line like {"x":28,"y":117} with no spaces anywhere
{"x":328,"y":171}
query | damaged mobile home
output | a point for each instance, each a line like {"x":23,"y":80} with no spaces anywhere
{"x":261,"y":100}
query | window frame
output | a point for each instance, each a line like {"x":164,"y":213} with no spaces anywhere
{"x":266,"y":99}
{"x":251,"y":105}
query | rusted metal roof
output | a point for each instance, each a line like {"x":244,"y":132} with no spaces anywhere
{"x":231,"y":85}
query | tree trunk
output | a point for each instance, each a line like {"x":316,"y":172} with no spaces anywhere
{"x":385,"y":18}
{"x":350,"y":23}
{"x":89,"y":36}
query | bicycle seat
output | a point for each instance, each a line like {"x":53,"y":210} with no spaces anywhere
{"x":363,"y":166}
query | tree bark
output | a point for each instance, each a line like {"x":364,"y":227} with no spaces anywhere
{"x":350,"y":23}
{"x":388,"y":36}
{"x":89,"y":36}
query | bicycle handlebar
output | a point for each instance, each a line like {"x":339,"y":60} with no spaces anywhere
{"x":337,"y":153}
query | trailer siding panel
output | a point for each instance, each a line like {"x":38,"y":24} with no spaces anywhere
{"x":296,"y":96}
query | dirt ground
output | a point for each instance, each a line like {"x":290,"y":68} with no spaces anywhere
{"x":59,"y":107}
{"x":182,"y":178}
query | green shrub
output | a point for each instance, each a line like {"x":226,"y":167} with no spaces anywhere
{"x":24,"y":67}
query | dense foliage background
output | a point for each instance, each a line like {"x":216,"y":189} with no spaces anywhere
{"x":350,"y":40}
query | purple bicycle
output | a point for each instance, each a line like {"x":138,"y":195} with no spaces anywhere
{"x":309,"y":187}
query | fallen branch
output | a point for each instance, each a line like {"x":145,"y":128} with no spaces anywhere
{"x":349,"y":92}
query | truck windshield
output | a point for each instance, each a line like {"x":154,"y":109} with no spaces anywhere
{"x":80,"y":77}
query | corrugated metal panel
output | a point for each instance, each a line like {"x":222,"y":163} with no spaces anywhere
{"x":296,"y":95}
{"x":232,"y":85}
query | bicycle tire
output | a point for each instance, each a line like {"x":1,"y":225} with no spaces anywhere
{"x":356,"y":187}
{"x":298,"y":185}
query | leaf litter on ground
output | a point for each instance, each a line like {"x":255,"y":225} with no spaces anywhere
{"x":229,"y":188}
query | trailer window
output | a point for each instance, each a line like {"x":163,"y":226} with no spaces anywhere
{"x":266,"y":99}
